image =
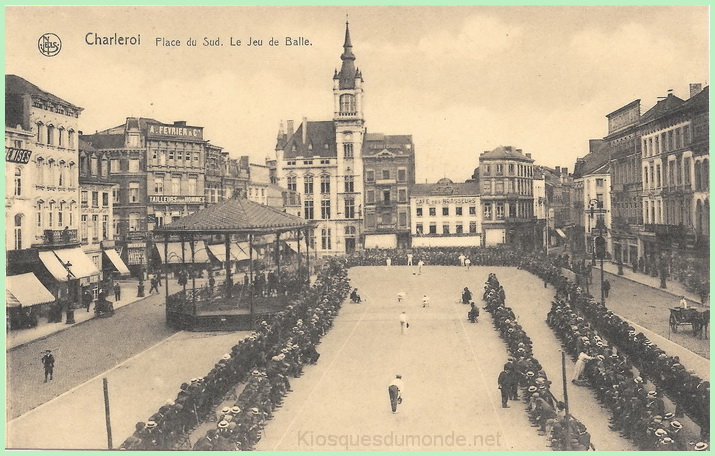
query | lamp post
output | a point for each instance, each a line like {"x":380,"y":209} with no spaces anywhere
{"x":70,"y":309}
{"x":599,"y":247}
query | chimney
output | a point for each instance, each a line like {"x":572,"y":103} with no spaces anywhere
{"x":179,"y":123}
{"x":670,"y":92}
{"x":557,"y":169}
{"x":519,"y":151}
{"x":305,"y":130}
{"x":290,"y":128}
{"x":528,"y":155}
{"x":695,"y":89}
{"x":565,"y":171}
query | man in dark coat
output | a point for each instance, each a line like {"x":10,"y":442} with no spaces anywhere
{"x":48,"y":361}
{"x":504,"y":382}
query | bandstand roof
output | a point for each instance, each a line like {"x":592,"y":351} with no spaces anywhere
{"x":236,"y":215}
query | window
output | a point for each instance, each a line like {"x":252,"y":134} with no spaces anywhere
{"x":445,"y":229}
{"x":105,"y":199}
{"x":134,"y":222}
{"x":511,"y":169}
{"x":458,"y":210}
{"x":95,"y":199}
{"x":180,"y":155}
{"x":349,"y":208}
{"x":159,"y":185}
{"x":370,"y":175}
{"x":370,"y":220}
{"x":472,"y":210}
{"x":385,"y":173}
{"x":84,"y":198}
{"x":326,"y":242}
{"x":401,"y":175}
{"x":325,"y":183}
{"x":472,"y":227}
{"x":309,"y":215}
{"x":292,"y":183}
{"x":50,"y":135}
{"x":500,"y":211}
{"x":419,"y":229}
{"x":134,"y":192}
{"x":487,"y":187}
{"x":349,"y":184}
{"x":432,"y":228}
{"x":487,"y":169}
{"x":348,"y":150}
{"x":105,"y":227}
{"x":18,"y":181}
{"x":657,"y":175}
{"x":193,"y":180}
{"x":599,"y":183}
{"x":105,"y":167}
{"x":433,"y":211}
{"x":499,"y":188}
{"x":487,"y":211}
{"x":402,"y":195}
{"x":386,"y":196}
{"x":176,"y":185}
{"x":347,"y":104}
{"x":61,"y":137}
{"x":39,"y":215}
{"x":115,"y":195}
{"x":402,"y":219}
{"x":171,"y":155}
{"x":325,"y":209}
{"x":308,"y":184}
{"x":95,"y":227}
{"x":370,"y":197}
{"x":500,"y":170}
{"x":134,"y":165}
{"x":459,"y":229}
{"x":445,"y":210}
{"x":83,"y":227}
{"x":40,"y":128}
{"x":18,"y":232}
{"x":115,"y":164}
{"x":419,"y":212}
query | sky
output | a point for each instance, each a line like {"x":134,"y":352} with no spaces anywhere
{"x":459,"y":79}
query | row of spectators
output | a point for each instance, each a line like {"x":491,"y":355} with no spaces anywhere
{"x":585,"y":326}
{"x":280,"y":347}
{"x":523,"y":370}
{"x":435,"y":256}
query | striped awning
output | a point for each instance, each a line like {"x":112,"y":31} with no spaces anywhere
{"x":26,"y":290}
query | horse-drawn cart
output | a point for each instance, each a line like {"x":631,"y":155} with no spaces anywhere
{"x":680,"y":316}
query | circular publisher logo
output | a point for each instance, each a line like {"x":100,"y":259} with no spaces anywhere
{"x":49,"y":44}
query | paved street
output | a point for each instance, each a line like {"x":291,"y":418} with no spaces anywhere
{"x":449,"y":367}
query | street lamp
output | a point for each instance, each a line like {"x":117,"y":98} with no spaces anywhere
{"x":70,"y":310}
{"x":599,"y":245}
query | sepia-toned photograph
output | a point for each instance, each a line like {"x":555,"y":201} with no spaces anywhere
{"x":357,"y":228}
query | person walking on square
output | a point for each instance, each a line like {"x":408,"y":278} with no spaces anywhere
{"x":48,"y":361}
{"x":504,"y":382}
{"x":154,"y":285}
{"x":87,"y":299}
{"x":117,"y":292}
{"x":395,"y":390}
{"x":606,"y":287}
{"x":404,"y":324}
{"x":419,"y":266}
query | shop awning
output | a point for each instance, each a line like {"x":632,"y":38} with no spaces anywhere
{"x":219,"y":251}
{"x":201,"y":254}
{"x":116,"y":261}
{"x":561,"y":233}
{"x":25,"y":290}
{"x":81,"y":267}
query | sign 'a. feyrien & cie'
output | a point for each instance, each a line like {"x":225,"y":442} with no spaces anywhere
{"x":174,"y":130}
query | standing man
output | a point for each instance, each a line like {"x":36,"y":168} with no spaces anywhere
{"x":467,"y":263}
{"x":395,"y":389}
{"x":87,"y":299}
{"x":425,"y":301}
{"x":48,"y":361}
{"x":461,"y":259}
{"x":504,"y":385}
{"x":117,"y":291}
{"x":154,"y":285}
{"x":419,"y":266}
{"x":606,"y":287}
{"x":409,"y":259}
{"x":403,"y":323}
{"x":388,"y":261}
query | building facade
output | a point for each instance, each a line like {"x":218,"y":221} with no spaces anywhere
{"x":507,"y":197}
{"x":624,"y":146}
{"x":592,"y":181}
{"x":389,"y":172}
{"x":322,"y":161}
{"x":445,"y":214}
{"x":160,"y":169}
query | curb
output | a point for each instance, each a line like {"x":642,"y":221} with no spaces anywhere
{"x":664,"y":290}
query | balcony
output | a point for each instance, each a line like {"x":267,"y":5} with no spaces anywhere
{"x":58,"y":238}
{"x":392,"y":181}
{"x":386,"y":227}
{"x":387,"y":203}
{"x":659,"y":229}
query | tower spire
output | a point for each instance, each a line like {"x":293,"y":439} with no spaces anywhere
{"x":347,"y":71}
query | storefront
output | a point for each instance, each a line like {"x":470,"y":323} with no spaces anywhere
{"x":26,"y":300}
